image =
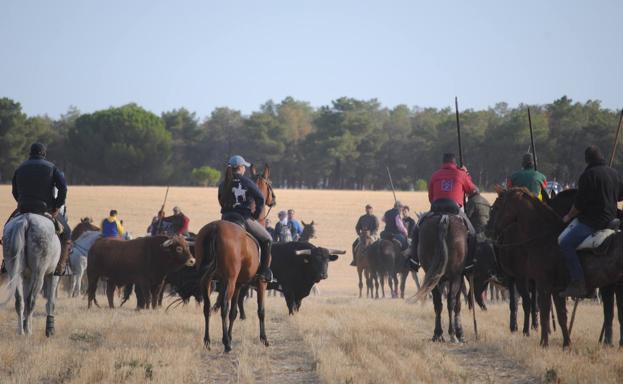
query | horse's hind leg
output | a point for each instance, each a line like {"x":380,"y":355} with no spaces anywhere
{"x":376,"y":285}
{"x":545,"y":301}
{"x":607,"y":300}
{"x":403,"y":282}
{"x":438,"y":305}
{"x":561,"y":311}
{"x":454,"y":297}
{"x":228,"y":292}
{"x":382,"y":277}
{"x":19,"y":307}
{"x":233,"y":311}
{"x":535,"y":306}
{"x":33,"y":287}
{"x":207,"y":310}
{"x":261,"y":292}
{"x":512,"y":305}
{"x":51,"y":283}
{"x":458,"y":326}
{"x":243,"y":293}
{"x":619,"y":293}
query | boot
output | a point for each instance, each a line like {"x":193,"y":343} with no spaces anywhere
{"x":576,"y":289}
{"x":264,"y":273}
{"x":61,"y":267}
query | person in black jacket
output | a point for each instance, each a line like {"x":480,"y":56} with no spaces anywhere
{"x":367,"y":222}
{"x":34,"y":184}
{"x":595,"y":206}
{"x":247,"y":202}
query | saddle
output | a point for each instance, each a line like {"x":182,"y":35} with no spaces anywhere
{"x":599,"y":242}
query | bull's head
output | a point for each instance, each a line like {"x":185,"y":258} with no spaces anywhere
{"x":318,"y":259}
{"x":179,"y":250}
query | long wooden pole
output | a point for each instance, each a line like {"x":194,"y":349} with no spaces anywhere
{"x":391,"y":183}
{"x":532,"y":141}
{"x":458,"y":130}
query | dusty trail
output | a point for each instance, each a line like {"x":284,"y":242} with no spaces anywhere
{"x":486,"y":365}
{"x":287,"y":360}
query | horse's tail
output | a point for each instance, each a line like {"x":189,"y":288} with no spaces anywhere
{"x":440,"y":261}
{"x":14,"y":246}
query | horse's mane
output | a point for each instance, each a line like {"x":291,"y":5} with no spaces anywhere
{"x":540,"y":205}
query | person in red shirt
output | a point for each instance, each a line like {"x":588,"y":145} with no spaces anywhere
{"x":447,"y":188}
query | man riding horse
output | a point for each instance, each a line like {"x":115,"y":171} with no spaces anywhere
{"x":368,"y":222}
{"x":34,"y":183}
{"x":245,"y":201}
{"x":446,"y":190}
{"x":595,"y":206}
{"x":528,"y":177}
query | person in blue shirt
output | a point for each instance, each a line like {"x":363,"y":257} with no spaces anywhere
{"x":297,"y":228}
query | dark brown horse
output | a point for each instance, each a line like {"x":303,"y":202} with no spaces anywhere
{"x":382,"y":260}
{"x":226,"y":253}
{"x":561,"y":204}
{"x":86,"y":224}
{"x":442,"y":248}
{"x":525,"y":231}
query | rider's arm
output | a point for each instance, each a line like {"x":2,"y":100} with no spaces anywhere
{"x":401,"y":226}
{"x":61,"y":185}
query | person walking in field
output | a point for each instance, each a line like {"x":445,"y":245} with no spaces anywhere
{"x":367,"y":222}
{"x":39,"y":187}
{"x":112,"y":227}
{"x":283,"y":229}
{"x":528,"y":177}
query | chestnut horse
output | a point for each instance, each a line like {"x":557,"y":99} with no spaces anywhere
{"x":86,"y":224}
{"x":363,"y":264}
{"x":226,"y":253}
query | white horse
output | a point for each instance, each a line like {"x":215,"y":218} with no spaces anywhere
{"x":31,"y":251}
{"x":78,"y":259}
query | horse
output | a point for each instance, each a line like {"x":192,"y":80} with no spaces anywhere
{"x":86,"y":224}
{"x":309,"y":232}
{"x":526,"y":231}
{"x":442,"y":249}
{"x":78,"y":259}
{"x":31,"y":251}
{"x":382,"y":260}
{"x":363,"y":263}
{"x":561,"y":203}
{"x":227,"y":253}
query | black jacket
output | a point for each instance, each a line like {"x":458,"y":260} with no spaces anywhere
{"x":599,"y":190}
{"x":33,"y":186}
{"x":367,"y":222}
{"x":244,"y":194}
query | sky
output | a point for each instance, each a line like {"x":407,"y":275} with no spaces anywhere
{"x":205,"y":54}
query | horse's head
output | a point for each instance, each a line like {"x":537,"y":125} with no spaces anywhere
{"x":265,"y":185}
{"x":365,"y":238}
{"x":561,"y":203}
{"x":309,"y":231}
{"x":504,"y":211}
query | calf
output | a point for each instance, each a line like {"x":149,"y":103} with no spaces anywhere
{"x":144,"y":261}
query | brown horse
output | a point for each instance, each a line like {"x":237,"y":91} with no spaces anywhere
{"x":226,"y":253}
{"x":86,"y":224}
{"x":363,"y":264}
{"x":442,"y":248}
{"x":382,"y":260}
{"x":528,"y":229}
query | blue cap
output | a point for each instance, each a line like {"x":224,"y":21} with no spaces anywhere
{"x":237,"y":161}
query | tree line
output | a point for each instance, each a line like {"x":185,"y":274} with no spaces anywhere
{"x":345,"y":145}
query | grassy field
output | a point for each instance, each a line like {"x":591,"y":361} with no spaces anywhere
{"x":336,"y":338}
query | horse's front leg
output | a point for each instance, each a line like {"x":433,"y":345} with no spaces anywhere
{"x":360,"y":272}
{"x":438,"y":306}
{"x":51,"y":283}
{"x":261,"y":292}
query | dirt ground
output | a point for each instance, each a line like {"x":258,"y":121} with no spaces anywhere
{"x":336,"y":338}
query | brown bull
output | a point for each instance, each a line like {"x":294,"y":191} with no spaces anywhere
{"x":144,"y":261}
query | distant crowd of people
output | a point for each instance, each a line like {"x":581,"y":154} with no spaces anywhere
{"x":287,"y":228}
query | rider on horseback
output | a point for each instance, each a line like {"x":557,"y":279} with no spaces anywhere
{"x":244,"y":197}
{"x":367,"y":222}
{"x":34,"y":182}
{"x":395,"y":228}
{"x":446,"y":190}
{"x":595,"y":206}
{"x":529,"y":178}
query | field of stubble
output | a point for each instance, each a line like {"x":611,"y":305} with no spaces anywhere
{"x":336,"y":338}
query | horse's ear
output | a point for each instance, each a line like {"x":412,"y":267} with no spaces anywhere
{"x":305,"y":225}
{"x":253,"y":170}
{"x":266,"y":171}
{"x":312,"y":223}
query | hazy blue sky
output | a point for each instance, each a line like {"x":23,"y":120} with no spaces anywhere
{"x":204,"y":54}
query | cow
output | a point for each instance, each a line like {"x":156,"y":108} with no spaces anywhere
{"x":296,"y":267}
{"x":144,"y":261}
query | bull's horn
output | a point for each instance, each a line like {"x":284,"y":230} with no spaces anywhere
{"x":303,"y":252}
{"x":167,"y":243}
{"x":336,"y":251}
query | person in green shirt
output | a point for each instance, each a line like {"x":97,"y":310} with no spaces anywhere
{"x":528,"y":177}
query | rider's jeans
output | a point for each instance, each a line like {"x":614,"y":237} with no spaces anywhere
{"x":569,"y":243}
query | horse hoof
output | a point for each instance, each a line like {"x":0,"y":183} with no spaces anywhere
{"x":227,"y":349}
{"x":266,"y":343}
{"x":454,"y":340}
{"x":438,"y":339}
{"x":49,"y":332}
{"x":526,"y":333}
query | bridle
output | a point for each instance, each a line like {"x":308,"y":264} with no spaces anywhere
{"x":271,"y":192}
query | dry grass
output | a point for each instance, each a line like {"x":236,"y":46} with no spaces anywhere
{"x":337,"y":338}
